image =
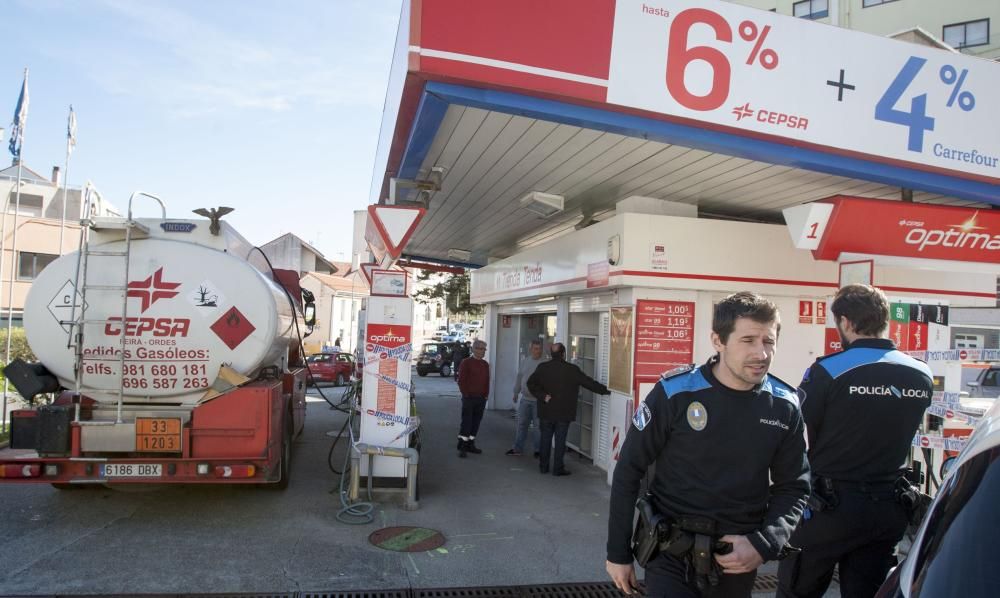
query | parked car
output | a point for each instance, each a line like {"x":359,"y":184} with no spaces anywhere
{"x":333,"y":367}
{"x":953,"y":553}
{"x":435,"y":358}
{"x":987,"y":383}
{"x":455,"y":337}
{"x":475,"y":325}
{"x":440,"y":333}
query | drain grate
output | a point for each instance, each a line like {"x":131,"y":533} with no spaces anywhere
{"x":371,"y":594}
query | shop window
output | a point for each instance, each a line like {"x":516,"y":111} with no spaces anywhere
{"x":968,"y":34}
{"x":869,"y":3}
{"x":29,"y":265}
{"x":811,"y":9}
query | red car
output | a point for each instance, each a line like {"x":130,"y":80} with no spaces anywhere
{"x":330,"y":367}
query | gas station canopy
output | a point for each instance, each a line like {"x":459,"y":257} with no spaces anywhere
{"x":516,"y":122}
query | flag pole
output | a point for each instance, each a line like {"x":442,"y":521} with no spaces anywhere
{"x":70,"y":142}
{"x":20,"y":118}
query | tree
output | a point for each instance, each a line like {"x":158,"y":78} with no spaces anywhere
{"x":453,"y":290}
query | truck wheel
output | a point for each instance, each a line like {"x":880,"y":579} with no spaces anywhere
{"x":445,"y":371}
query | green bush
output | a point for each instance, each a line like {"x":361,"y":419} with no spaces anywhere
{"x":18,"y":347}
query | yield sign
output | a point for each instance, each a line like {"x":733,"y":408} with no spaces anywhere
{"x":366,"y":270}
{"x":388,"y":230}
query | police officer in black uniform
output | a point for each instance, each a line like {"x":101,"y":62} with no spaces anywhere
{"x":716,"y":433}
{"x":862,"y":407}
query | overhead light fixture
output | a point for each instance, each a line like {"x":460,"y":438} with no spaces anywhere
{"x":543,"y":204}
{"x":461,"y":255}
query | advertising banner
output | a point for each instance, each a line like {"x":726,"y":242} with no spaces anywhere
{"x":620,"y":363}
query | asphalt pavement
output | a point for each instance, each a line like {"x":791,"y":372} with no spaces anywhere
{"x":504,"y":523}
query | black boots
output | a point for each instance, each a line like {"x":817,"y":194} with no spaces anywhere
{"x":467,"y":446}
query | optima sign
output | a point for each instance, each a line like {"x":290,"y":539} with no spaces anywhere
{"x":903,"y":230}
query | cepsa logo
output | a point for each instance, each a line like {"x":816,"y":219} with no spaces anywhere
{"x":150,"y":326}
{"x":965,"y":235}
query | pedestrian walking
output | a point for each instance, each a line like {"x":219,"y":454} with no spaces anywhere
{"x":527,"y":405}
{"x":474,"y":384}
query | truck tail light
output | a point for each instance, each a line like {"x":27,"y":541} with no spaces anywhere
{"x":235,"y":471}
{"x":20,"y":471}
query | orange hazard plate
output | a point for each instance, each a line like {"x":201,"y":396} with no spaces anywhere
{"x":157,"y":435}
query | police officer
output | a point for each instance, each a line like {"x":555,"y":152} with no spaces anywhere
{"x":716,"y":433}
{"x":862,"y":407}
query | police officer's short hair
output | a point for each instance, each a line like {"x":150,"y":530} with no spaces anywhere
{"x":742,"y":305}
{"x":865,"y":306}
{"x":536,"y":342}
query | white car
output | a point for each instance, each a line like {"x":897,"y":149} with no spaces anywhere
{"x":954,"y":552}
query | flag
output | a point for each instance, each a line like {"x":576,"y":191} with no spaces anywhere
{"x":71,"y":131}
{"x":20,"y":119}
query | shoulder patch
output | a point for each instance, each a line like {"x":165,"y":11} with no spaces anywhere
{"x":690,"y":380}
{"x":677,"y":371}
{"x":642,"y":417}
{"x":780,"y":389}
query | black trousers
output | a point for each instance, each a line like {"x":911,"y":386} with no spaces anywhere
{"x":472,"y":414}
{"x":671,"y":577}
{"x":548,"y":429}
{"x":859,"y":536}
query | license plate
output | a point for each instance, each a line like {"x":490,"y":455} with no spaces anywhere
{"x":131,"y":470}
{"x":158,"y":435}
{"x":426,"y":361}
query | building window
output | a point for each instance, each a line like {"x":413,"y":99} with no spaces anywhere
{"x":29,"y":265}
{"x":30,"y":205}
{"x":969,"y":341}
{"x":811,"y":9}
{"x":966,"y":35}
{"x":868,"y":3}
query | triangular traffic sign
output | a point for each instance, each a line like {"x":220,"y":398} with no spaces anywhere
{"x":389,"y":228}
{"x":366,"y":271}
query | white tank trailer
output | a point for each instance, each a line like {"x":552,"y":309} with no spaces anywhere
{"x":194,"y":302}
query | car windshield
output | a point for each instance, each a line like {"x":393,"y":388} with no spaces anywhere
{"x":431,"y":349}
{"x":957,"y":557}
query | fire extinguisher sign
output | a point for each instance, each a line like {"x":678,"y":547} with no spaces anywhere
{"x":806,"y":311}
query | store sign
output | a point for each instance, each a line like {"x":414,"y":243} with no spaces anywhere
{"x":742,"y":68}
{"x":732,"y":68}
{"x":911,"y":230}
{"x":598,"y":274}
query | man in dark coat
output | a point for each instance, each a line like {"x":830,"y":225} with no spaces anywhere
{"x":556,"y":385}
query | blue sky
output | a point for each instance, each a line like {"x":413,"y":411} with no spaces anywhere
{"x":273,"y":108}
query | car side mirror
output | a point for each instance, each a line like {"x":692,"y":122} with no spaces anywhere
{"x":309,"y":314}
{"x":947,"y":466}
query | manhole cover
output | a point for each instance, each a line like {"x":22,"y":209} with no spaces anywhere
{"x":406,"y":539}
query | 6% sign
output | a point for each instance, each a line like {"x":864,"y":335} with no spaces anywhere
{"x":680,"y":56}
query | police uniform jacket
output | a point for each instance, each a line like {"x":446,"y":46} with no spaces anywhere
{"x":715,"y":449}
{"x":862,"y":407}
{"x":562,"y":381}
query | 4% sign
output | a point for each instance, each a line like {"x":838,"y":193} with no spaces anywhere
{"x":680,"y":56}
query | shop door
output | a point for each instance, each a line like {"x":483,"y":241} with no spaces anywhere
{"x":582,"y":352}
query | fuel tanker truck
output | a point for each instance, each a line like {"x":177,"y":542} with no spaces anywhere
{"x":185,"y":370}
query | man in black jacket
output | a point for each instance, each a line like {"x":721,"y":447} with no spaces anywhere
{"x":717,"y":433}
{"x":862,"y":407}
{"x":556,"y":384}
